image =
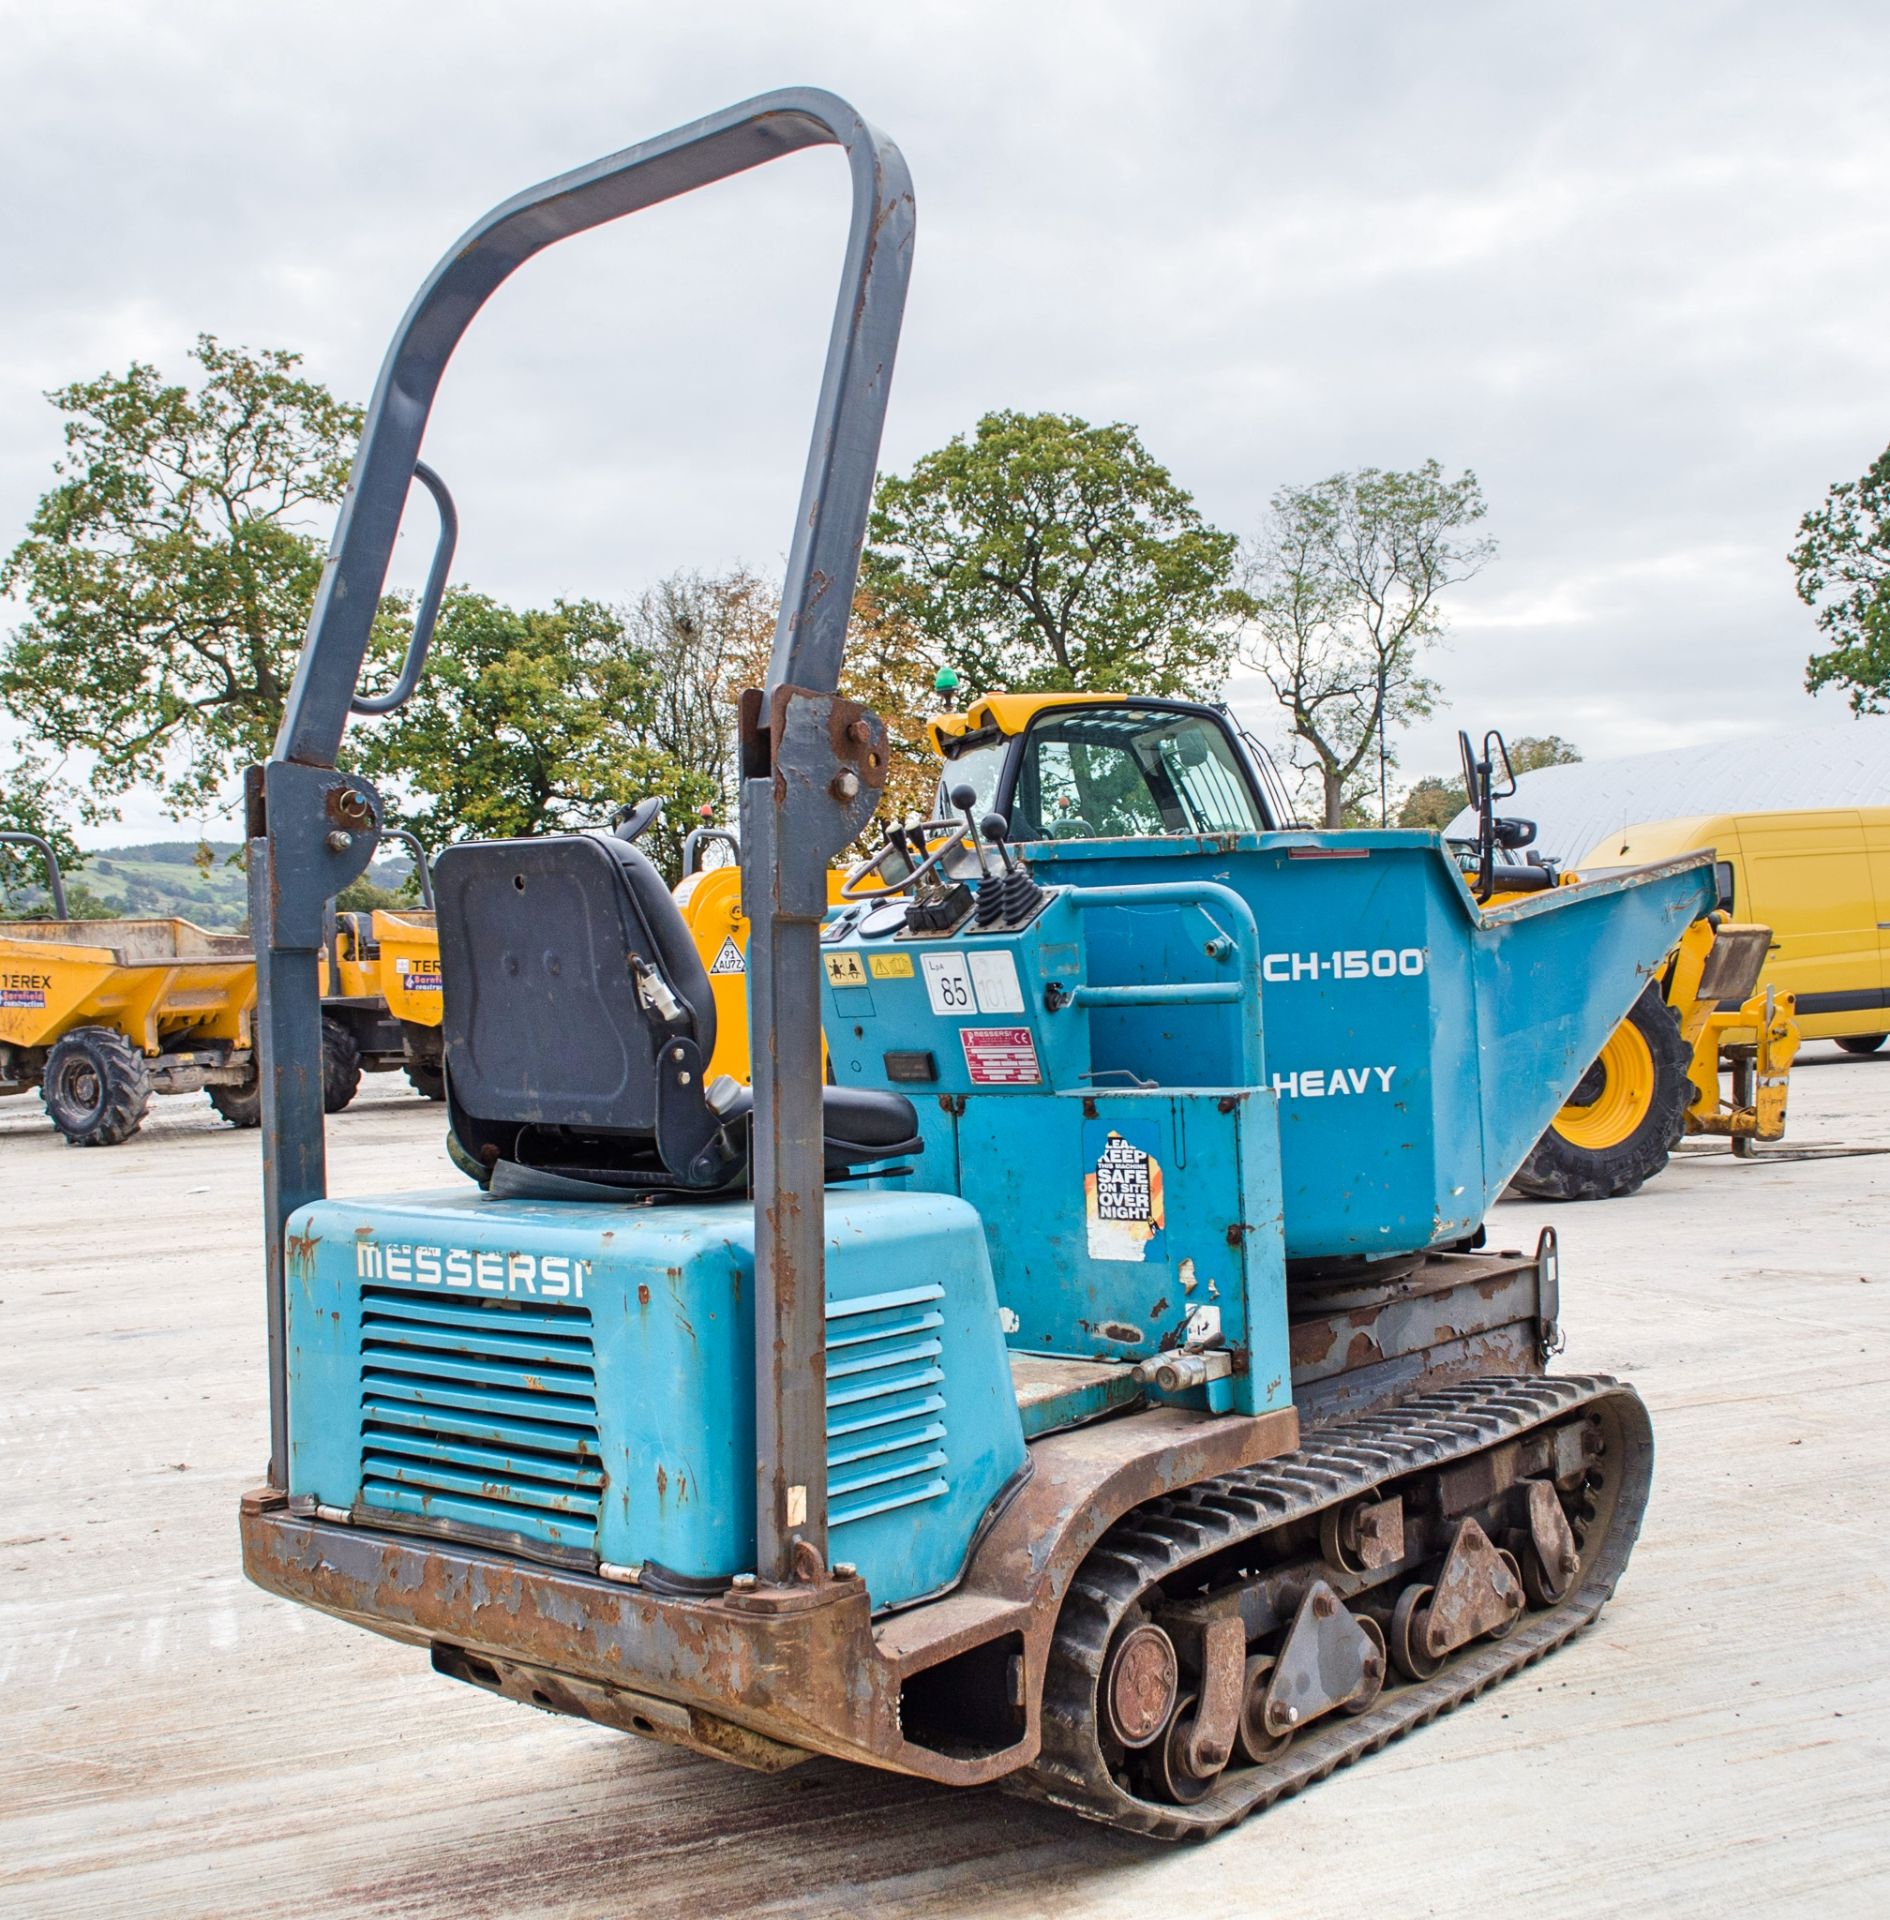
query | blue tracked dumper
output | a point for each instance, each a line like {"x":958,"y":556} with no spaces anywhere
{"x":1100,"y":1387}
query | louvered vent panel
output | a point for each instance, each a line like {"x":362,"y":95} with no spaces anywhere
{"x":885,"y":1403}
{"x":481,"y":1413}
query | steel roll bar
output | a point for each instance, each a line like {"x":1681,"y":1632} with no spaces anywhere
{"x":699,"y":837}
{"x":423,"y":872}
{"x":811,"y":771}
{"x":55,"y":881}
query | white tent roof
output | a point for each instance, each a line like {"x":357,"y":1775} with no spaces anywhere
{"x":1843,"y":763}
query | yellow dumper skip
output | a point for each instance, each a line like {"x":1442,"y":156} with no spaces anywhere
{"x":409,"y":973}
{"x":148,"y":978}
{"x":101,"y":1014}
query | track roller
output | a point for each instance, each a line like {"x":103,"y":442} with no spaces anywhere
{"x":1238,"y":1639}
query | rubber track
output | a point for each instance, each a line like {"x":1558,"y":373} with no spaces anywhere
{"x":1162,"y":1537}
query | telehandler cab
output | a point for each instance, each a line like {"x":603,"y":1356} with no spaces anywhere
{"x":1099,"y":1388}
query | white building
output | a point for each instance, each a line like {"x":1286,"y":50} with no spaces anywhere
{"x":1841,"y":763}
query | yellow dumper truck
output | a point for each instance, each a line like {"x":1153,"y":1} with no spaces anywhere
{"x":100,"y":1015}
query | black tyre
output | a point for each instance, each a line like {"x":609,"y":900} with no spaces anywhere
{"x":96,"y":1087}
{"x":1624,"y":1119}
{"x":341,"y":1066}
{"x":240,"y":1105}
{"x":1863,"y":1042}
{"x":427,"y":1078}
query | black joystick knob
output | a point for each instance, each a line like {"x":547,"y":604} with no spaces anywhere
{"x":964,"y":798}
{"x":998,"y":831}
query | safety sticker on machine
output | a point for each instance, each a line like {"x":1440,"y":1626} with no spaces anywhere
{"x":728,"y":958}
{"x":1000,"y":1056}
{"x":1122,"y":1190}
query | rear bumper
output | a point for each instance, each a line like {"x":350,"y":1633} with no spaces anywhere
{"x":763,"y":1677}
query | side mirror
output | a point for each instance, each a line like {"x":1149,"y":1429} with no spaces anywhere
{"x":1723,"y":880}
{"x":1511,"y":834}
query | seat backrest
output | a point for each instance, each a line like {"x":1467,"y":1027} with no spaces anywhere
{"x":541,"y":944}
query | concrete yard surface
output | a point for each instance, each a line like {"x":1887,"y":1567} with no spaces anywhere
{"x":173,"y":1741}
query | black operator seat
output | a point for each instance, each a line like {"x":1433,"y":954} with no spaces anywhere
{"x":578,"y":1021}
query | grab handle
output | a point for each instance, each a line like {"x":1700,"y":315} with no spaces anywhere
{"x":428,"y":610}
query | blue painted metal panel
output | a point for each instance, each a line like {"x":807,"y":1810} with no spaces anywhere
{"x":581,"y":1377}
{"x":1418,"y":1045}
{"x":1134,"y":1223}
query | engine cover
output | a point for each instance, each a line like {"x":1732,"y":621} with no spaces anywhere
{"x":575,"y":1383}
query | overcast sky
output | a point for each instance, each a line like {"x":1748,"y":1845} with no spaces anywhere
{"x":1630,"y":263}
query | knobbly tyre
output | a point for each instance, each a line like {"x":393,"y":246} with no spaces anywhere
{"x":1093,"y":1389}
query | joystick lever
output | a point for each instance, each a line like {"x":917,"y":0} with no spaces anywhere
{"x":997,"y":830}
{"x":1018,"y":895}
{"x":990,"y":884}
{"x":964,"y":799}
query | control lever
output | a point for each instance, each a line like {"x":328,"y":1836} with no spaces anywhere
{"x":1019,"y":895}
{"x":990,"y":885}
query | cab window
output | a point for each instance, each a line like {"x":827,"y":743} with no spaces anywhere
{"x":1117,"y":773}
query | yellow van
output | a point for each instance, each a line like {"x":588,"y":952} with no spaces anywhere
{"x":1821,"y":882}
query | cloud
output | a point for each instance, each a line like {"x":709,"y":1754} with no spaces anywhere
{"x":1626,"y":261}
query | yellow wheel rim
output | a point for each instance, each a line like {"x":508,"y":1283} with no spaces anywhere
{"x":1627,"y":1091}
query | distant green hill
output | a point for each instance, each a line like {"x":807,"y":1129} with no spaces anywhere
{"x":162,"y":880}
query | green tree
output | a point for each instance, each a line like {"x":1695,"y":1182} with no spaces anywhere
{"x":1432,"y":802}
{"x":1528,"y":751}
{"x":1346,"y":577}
{"x":169,"y":572}
{"x":1842,"y":561}
{"x":34,"y":799}
{"x":533,"y":722}
{"x":1044,"y":553}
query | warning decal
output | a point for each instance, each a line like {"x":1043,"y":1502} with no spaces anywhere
{"x":1000,"y":1056}
{"x":1122,"y":1191}
{"x":728,"y":958}
{"x":890,"y":966}
{"x":844,"y":970}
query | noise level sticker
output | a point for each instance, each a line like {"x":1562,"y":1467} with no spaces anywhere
{"x":728,"y":958}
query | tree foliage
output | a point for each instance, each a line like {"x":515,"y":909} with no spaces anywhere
{"x":34,"y":799}
{"x":1044,"y":553}
{"x":1842,"y":561}
{"x":527,"y":723}
{"x":1528,"y":751}
{"x":169,"y":572}
{"x":705,"y":637}
{"x":1346,"y":577}
{"x":1434,"y":802}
